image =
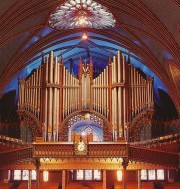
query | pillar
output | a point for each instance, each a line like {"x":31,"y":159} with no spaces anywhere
{"x":37,"y":164}
{"x":30,"y":179}
{"x":139,"y":178}
{"x":124,"y":164}
{"x":104,"y":179}
{"x":63,"y":179}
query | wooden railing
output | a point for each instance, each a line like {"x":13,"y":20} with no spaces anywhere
{"x":14,"y":142}
{"x":158,"y":141}
{"x":18,"y":155}
{"x":67,"y":150}
{"x":148,"y":155}
{"x":104,"y":150}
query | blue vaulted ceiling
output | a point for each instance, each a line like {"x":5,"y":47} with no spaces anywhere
{"x":145,"y":31}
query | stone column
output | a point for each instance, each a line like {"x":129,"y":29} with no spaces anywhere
{"x":104,"y":179}
{"x":63,"y":179}
{"x":30,"y":179}
{"x":124,"y":164}
{"x":139,"y":178}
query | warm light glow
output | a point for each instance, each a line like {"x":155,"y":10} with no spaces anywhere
{"x":84,"y":36}
{"x":87,"y":116}
{"x":45,"y":176}
{"x":119,"y":175}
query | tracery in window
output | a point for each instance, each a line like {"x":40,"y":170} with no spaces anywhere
{"x":81,"y":14}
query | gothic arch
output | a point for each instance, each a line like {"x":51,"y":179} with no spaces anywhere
{"x":142,"y":120}
{"x":77,"y":116}
{"x":30,"y":120}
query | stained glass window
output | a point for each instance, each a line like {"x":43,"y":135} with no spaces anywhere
{"x":160,"y":174}
{"x":79,"y":175}
{"x":80,"y":14}
{"x":152,"y":174}
{"x":25,"y":175}
{"x":143,"y":174}
{"x":97,"y":175}
{"x":17,"y":174}
{"x":33,"y":174}
{"x":88,"y":174}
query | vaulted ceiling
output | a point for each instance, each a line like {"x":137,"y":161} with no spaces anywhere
{"x":145,"y":30}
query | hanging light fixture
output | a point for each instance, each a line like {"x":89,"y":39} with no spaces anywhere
{"x":81,"y":14}
{"x":84,"y":36}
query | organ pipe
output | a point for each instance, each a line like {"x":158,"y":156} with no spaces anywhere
{"x":51,"y":93}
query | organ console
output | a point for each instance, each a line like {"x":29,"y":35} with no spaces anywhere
{"x":51,"y":93}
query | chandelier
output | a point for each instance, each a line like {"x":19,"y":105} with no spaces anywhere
{"x":81,"y":14}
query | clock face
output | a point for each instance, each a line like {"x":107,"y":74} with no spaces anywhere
{"x":81,"y":147}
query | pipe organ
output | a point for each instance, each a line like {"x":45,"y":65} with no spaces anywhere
{"x":119,"y":93}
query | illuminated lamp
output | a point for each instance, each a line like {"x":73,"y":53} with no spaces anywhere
{"x":45,"y":176}
{"x":119,"y":175}
{"x":84,"y":36}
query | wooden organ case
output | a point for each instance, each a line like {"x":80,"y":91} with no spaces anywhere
{"x":51,"y":94}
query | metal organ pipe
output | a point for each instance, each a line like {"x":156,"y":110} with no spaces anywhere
{"x":119,"y":93}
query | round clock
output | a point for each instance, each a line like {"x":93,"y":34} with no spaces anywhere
{"x":81,"y":146}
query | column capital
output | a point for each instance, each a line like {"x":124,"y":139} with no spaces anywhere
{"x":37,"y":163}
{"x":125,"y":162}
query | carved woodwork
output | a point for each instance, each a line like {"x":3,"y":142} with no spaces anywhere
{"x":28,"y":119}
{"x":99,"y":154}
{"x":142,"y":120}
